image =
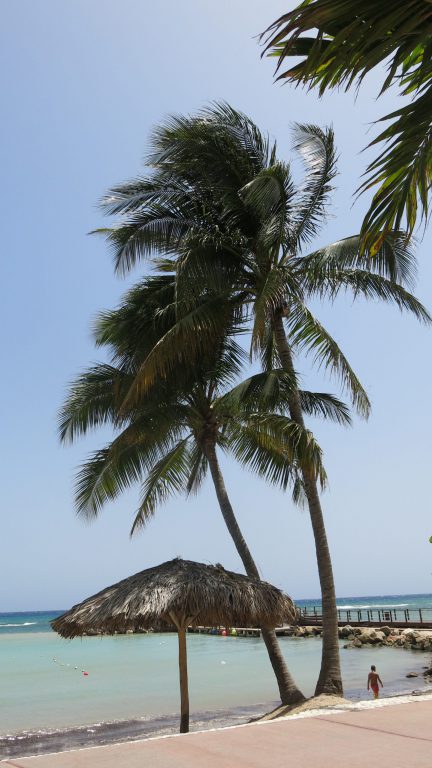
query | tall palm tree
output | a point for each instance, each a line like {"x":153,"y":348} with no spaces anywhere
{"x":227,"y":216}
{"x":169,"y":439}
{"x":339,"y":42}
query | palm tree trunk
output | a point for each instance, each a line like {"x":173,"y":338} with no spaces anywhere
{"x":330,"y":678}
{"x":288,"y":690}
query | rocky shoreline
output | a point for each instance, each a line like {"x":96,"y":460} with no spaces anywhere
{"x":357,"y":637}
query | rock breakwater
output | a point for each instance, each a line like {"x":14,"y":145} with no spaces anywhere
{"x":416,"y":639}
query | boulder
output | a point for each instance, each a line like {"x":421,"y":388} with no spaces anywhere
{"x":387,"y":631}
{"x":391,"y":639}
{"x":368,"y":635}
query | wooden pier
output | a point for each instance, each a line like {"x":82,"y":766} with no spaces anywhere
{"x":415,"y":618}
{"x":241,"y":631}
{"x":400,"y":618}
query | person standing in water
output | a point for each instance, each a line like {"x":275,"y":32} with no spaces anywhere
{"x":373,"y":680}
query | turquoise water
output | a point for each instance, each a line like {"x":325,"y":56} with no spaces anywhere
{"x":136,"y":676}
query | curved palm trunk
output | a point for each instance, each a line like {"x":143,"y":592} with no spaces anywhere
{"x":330,"y":678}
{"x":288,"y":690}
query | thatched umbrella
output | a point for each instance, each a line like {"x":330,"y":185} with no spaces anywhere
{"x":183,"y":593}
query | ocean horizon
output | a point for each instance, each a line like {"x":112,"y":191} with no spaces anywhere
{"x":57,"y":693}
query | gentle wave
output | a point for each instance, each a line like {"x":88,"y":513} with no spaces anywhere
{"x":21,"y":624}
{"x":373,"y":605}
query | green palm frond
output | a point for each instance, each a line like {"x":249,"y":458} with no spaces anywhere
{"x":394,"y":260}
{"x":146,"y":312}
{"x":316,"y":147}
{"x":402,"y":172}
{"x":92,"y":401}
{"x":198,"y":468}
{"x":168,"y":477}
{"x":307,"y":333}
{"x":271,"y":392}
{"x":104,"y":476}
{"x":265,"y":391}
{"x":219,"y":144}
{"x":269,"y":194}
{"x":340,"y":42}
{"x":145,"y":235}
{"x":192,"y":336}
{"x":324,"y":405}
{"x":371,"y":286}
{"x":298,"y":492}
{"x":275,"y":447}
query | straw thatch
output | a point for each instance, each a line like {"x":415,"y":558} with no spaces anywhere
{"x":193,"y":593}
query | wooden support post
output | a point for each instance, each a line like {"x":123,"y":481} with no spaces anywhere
{"x":184,"y":692}
{"x":182,"y":622}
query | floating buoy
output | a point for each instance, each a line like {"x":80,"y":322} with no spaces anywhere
{"x":224,"y":633}
{"x":85,"y":673}
{"x":233,"y":633}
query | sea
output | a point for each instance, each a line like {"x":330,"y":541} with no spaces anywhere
{"x":61,"y":694}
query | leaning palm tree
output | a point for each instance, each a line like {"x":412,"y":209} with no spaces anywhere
{"x":168,"y":441}
{"x":338,"y":43}
{"x":170,"y":438}
{"x":227,"y":217}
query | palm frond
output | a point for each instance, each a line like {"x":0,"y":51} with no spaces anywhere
{"x":92,"y":401}
{"x":347,"y":39}
{"x":307,"y":333}
{"x":394,"y":260}
{"x":402,"y":172}
{"x":265,"y":391}
{"x":198,"y":468}
{"x":371,"y":286}
{"x":316,"y":147}
{"x":326,"y":406}
{"x":271,"y":445}
{"x":168,"y":477}
{"x":192,"y":336}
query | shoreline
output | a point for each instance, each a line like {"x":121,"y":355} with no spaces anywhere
{"x":110,"y":733}
{"x":340,"y":706}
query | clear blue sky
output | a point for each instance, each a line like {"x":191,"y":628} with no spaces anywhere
{"x":82,"y":85}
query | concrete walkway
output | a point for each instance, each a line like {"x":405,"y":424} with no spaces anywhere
{"x":397,"y":736}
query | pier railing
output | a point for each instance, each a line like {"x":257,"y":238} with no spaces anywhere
{"x":409,"y":617}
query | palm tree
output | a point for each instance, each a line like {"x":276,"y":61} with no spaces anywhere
{"x":169,"y":440}
{"x":227,"y":216}
{"x":339,"y":42}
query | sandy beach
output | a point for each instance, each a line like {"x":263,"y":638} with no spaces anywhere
{"x":397,"y":731}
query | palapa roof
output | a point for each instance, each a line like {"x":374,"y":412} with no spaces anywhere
{"x":205,"y":594}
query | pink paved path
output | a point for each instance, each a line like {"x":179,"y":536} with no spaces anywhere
{"x":388,"y":737}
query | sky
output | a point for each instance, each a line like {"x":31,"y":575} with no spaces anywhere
{"x":82,"y":85}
